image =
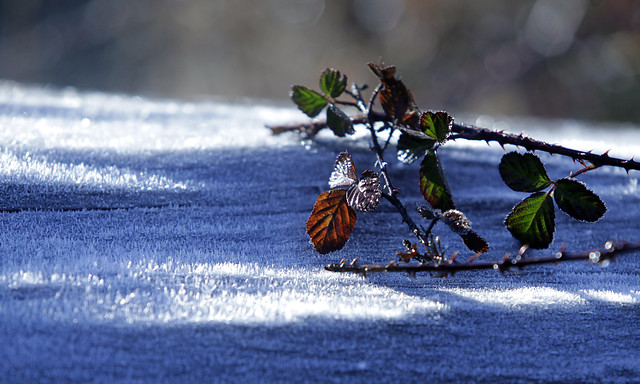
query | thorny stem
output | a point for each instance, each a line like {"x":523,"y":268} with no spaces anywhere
{"x":610,"y":251}
{"x":502,"y":138}
{"x":468,"y":132}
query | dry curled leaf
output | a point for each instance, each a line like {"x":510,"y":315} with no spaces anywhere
{"x":363,"y":195}
{"x":331,"y":221}
{"x":410,"y":254}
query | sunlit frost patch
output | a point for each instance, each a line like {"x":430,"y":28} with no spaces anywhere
{"x":520,"y":297}
{"x":220,"y":293}
{"x":612,"y":297}
{"x":41,"y":120}
{"x":28,"y":169}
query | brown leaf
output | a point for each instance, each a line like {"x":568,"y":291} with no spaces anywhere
{"x":382,"y":71}
{"x":331,"y":221}
{"x":410,"y":254}
{"x":474,"y":242}
{"x":395,"y":98}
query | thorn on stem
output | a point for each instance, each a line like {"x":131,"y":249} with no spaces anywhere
{"x":472,"y":258}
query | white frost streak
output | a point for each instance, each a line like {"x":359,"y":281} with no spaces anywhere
{"x":33,"y":169}
{"x":220,"y":293}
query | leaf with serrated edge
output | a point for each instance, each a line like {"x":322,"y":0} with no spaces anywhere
{"x":532,"y":221}
{"x":394,"y":97}
{"x":344,"y":172}
{"x":331,"y":221}
{"x":474,"y":242}
{"x":338,"y":121}
{"x":411,"y":148}
{"x":433,"y":183}
{"x":331,"y":83}
{"x":308,"y":101}
{"x":523,"y":172}
{"x":577,"y":201}
{"x":436,"y":124}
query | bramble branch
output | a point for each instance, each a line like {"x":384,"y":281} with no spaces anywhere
{"x":449,"y":267}
{"x":468,"y":132}
{"x":502,"y":138}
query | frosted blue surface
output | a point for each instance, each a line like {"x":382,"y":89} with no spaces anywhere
{"x":151,"y":241}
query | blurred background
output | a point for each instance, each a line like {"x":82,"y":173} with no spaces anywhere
{"x":554,"y":58}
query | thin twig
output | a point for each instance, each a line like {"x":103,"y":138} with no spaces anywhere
{"x":610,"y":251}
{"x":392,"y":196}
{"x":346,"y":102}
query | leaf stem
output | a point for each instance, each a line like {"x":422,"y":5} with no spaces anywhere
{"x":345,"y":102}
{"x":587,"y":168}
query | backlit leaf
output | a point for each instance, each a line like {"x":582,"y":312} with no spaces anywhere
{"x":344,"y":171}
{"x":577,"y":201}
{"x":411,"y":148}
{"x":523,"y":172}
{"x":338,"y":121}
{"x":474,"y":242}
{"x":433,"y":183}
{"x":395,"y":98}
{"x":331,"y":83}
{"x":532,"y":221}
{"x":436,"y":124}
{"x":411,"y":119}
{"x":384,"y":73}
{"x":331,"y":221}
{"x":308,"y":101}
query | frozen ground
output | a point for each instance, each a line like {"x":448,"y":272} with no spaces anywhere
{"x":156,"y":241}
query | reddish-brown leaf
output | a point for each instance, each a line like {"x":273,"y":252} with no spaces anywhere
{"x":395,"y":98}
{"x":410,"y":254}
{"x":474,"y":242}
{"x":331,"y":221}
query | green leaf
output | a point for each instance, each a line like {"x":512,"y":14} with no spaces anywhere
{"x":577,"y":201}
{"x":532,"y":221}
{"x":310,"y":102}
{"x":331,"y":83}
{"x":411,"y":148}
{"x":523,"y":173}
{"x":338,"y":121}
{"x":433,"y":183}
{"x":436,"y":124}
